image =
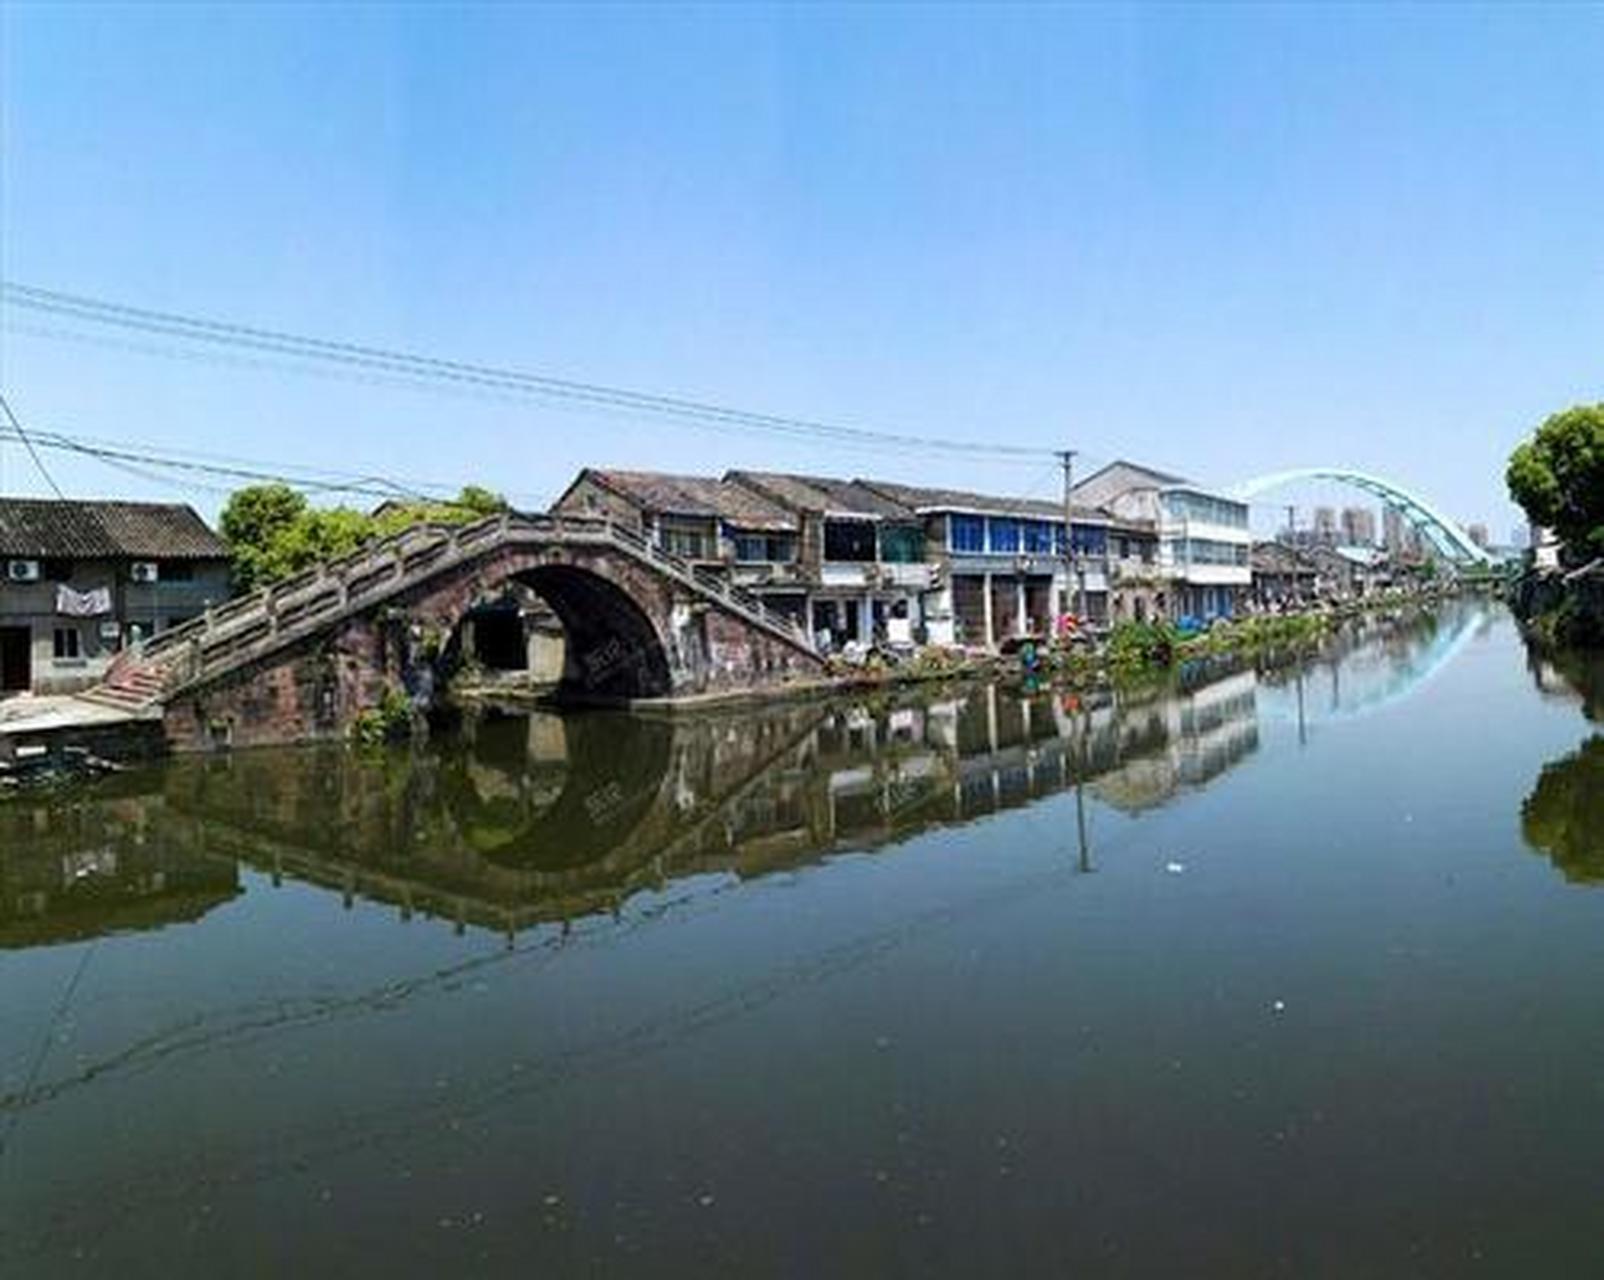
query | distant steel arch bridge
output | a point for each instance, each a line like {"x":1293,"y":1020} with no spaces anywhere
{"x":1444,"y":533}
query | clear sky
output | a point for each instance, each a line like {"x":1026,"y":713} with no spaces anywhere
{"x":1224,"y":241}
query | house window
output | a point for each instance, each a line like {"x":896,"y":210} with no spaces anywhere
{"x":968,"y":533}
{"x":67,"y":642}
{"x":1038,"y":536}
{"x":1090,"y":539}
{"x":902,"y":544}
{"x":851,"y":540}
{"x":691,"y":539}
{"x":1004,"y":535}
{"x":58,"y":570}
{"x":178,"y":571}
{"x":764,"y":548}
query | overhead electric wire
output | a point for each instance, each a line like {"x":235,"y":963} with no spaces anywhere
{"x":456,"y":372}
{"x":27,"y":443}
{"x":228,"y":467}
{"x":131,"y":461}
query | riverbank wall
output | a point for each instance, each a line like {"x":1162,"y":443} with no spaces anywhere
{"x":1562,"y":607}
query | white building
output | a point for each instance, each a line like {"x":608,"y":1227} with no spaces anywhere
{"x":1203,"y":536}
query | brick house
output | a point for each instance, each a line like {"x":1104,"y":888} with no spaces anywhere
{"x":78,"y":580}
{"x":714,"y":523}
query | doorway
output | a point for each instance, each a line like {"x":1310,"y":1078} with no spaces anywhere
{"x":16,"y":659}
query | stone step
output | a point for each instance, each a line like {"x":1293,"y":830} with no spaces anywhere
{"x":123,"y":699}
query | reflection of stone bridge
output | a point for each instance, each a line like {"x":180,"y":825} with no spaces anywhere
{"x":550,"y":818}
{"x":300,"y":659}
{"x":524,"y":820}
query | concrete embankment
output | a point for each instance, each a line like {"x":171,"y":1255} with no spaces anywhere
{"x":1563,"y":607}
{"x":39,"y":732}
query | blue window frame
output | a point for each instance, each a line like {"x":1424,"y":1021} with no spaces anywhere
{"x":1039,"y":537}
{"x":968,"y":533}
{"x":1091,"y":539}
{"x":1004,"y":534}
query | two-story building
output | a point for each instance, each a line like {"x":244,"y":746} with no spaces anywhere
{"x":712,"y":522}
{"x":1000,"y":566}
{"x":78,"y":580}
{"x":1203,"y":537}
{"x":861,"y":553}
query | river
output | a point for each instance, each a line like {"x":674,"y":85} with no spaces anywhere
{"x":1281,"y":971}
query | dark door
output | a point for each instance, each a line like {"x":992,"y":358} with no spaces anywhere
{"x":15,"y":666}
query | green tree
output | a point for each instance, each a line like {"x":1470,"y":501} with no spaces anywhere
{"x":272,"y":532}
{"x":1557,"y":476}
{"x":253,"y":522}
{"x":481,"y":502}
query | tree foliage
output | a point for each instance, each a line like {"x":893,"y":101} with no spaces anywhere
{"x":1564,"y":815}
{"x":1557,"y":476}
{"x":273,"y":532}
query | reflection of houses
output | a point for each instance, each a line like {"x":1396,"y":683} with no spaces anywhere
{"x":1204,"y":733}
{"x":557,"y":820}
{"x":99,"y":867}
{"x":1203,"y":537}
{"x":78,"y":579}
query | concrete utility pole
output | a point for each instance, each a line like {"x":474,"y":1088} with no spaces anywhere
{"x":1067,"y":457}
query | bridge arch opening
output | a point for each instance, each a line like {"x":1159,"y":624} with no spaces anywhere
{"x":610,"y":649}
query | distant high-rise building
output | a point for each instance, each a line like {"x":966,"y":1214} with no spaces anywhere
{"x":1392,"y":529}
{"x":1520,"y":537}
{"x":1477,"y":534}
{"x":1325,"y":525}
{"x":1358,"y":526}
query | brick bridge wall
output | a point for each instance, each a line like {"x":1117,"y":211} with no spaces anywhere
{"x":632,"y":633}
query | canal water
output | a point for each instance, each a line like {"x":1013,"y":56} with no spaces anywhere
{"x":1295,"y":970}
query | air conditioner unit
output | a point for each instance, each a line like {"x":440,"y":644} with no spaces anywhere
{"x":22,"y":570}
{"x":142,"y":571}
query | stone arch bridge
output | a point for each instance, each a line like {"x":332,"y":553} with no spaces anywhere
{"x":301,"y":659}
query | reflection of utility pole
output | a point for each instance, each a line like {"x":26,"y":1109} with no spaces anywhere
{"x":1081,"y":767}
{"x":1303,"y":734}
{"x":1080,"y":826}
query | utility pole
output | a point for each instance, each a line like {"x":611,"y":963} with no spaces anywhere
{"x":1067,"y":457}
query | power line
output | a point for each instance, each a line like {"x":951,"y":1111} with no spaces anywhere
{"x":411,"y":365}
{"x":27,"y":443}
{"x":132,"y":461}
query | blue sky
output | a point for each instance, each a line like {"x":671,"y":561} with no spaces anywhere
{"x":1225,"y":241}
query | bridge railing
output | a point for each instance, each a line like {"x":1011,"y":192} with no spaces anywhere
{"x":210,"y":641}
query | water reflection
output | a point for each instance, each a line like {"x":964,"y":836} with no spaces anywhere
{"x":521,"y":820}
{"x":1563,"y":816}
{"x":1373,"y":664}
{"x":76,"y":869}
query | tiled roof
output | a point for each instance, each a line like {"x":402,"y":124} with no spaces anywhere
{"x":698,"y":496}
{"x":823,"y":493}
{"x":34,"y":528}
{"x":923,"y":499}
